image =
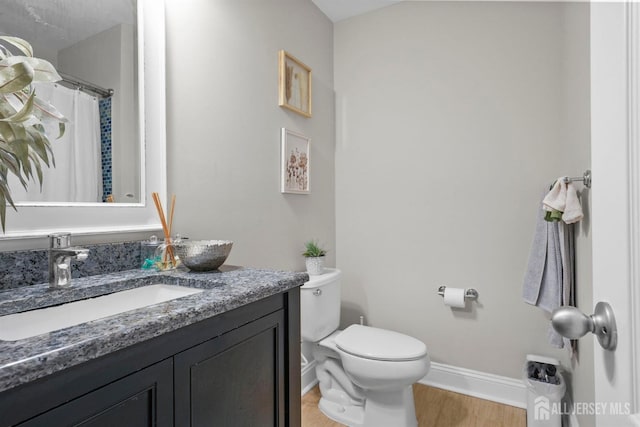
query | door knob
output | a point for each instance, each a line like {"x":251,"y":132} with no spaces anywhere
{"x":572,"y":323}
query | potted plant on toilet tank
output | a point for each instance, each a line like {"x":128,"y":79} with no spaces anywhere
{"x":24,"y":145}
{"x":314,"y":255}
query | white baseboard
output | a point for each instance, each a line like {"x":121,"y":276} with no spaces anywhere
{"x":496,"y":388}
{"x":492,"y":387}
{"x":309,"y":379}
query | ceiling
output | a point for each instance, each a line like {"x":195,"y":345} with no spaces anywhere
{"x":337,"y":10}
{"x":56,"y":24}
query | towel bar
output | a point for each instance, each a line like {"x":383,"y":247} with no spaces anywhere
{"x":586,"y":178}
{"x":468,"y":293}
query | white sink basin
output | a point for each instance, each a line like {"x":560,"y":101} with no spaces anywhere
{"x":28,"y":324}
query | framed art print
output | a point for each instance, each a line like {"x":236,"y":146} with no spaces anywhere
{"x":295,"y":162}
{"x":294,"y":84}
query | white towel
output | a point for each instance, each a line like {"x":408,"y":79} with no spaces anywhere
{"x":563,"y":197}
{"x":573,"y":209}
{"x":556,"y":199}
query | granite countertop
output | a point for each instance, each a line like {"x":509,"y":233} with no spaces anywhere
{"x":26,"y":360}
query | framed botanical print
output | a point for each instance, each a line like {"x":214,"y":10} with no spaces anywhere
{"x":295,"y":162}
{"x":295,"y":84}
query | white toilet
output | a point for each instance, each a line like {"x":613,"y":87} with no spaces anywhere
{"x":365,"y":373}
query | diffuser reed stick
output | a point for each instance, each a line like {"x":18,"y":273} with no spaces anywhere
{"x":171,"y":210}
{"x":165,"y":228}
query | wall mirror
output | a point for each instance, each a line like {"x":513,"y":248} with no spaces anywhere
{"x":111,"y":56}
{"x":93,"y":45}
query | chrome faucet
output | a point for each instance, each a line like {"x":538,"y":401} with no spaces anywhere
{"x":60,"y":255}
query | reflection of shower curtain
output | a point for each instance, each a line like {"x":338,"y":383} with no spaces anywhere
{"x":77,"y":176}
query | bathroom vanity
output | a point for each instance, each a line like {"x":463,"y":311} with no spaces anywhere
{"x":229,"y":355}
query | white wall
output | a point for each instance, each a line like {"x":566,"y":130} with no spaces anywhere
{"x":224,"y":126}
{"x":452,"y":117}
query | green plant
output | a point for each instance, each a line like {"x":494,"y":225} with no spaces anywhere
{"x":313,"y":249}
{"x":24,"y":145}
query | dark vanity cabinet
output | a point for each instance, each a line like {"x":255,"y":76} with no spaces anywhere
{"x":144,"y":398}
{"x":233,"y":379}
{"x":239,"y":368}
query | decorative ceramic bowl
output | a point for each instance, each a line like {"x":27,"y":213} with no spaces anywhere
{"x":203,"y":255}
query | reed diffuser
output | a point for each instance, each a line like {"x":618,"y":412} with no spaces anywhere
{"x":167,"y":259}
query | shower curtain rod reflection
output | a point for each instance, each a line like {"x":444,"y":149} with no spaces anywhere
{"x":85,"y":86}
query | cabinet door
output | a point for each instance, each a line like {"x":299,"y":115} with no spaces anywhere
{"x":236,"y":379}
{"x":142,"y":399}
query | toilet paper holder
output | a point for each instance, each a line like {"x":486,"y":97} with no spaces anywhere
{"x":468,"y":293}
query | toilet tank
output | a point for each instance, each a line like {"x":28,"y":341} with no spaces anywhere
{"x":320,"y":305}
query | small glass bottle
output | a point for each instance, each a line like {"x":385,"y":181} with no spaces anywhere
{"x":148,"y":252}
{"x":165,"y":257}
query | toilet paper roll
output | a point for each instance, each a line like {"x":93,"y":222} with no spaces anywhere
{"x":454,"y":297}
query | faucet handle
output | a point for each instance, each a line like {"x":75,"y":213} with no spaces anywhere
{"x":82,"y":254}
{"x":59,"y":240}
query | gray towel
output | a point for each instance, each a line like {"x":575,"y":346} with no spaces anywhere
{"x":537,"y":261}
{"x":548,"y":281}
{"x":543,"y":278}
{"x":567,"y":249}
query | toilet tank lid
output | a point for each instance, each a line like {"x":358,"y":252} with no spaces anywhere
{"x":330,"y":275}
{"x":379,"y":344}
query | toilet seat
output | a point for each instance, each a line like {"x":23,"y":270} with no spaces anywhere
{"x":379,"y":344}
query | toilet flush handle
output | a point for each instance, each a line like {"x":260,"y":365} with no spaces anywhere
{"x":317,"y":292}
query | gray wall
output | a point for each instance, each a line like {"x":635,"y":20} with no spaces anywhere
{"x":224,"y":123}
{"x":86,"y":60}
{"x":451,"y":119}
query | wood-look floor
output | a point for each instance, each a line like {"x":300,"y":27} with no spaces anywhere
{"x":434,"y":408}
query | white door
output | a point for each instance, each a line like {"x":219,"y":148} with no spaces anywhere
{"x":615,"y":157}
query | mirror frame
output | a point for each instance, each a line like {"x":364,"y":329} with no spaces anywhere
{"x":98,"y":218}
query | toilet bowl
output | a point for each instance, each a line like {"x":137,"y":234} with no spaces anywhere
{"x":365,"y":373}
{"x":377,"y":359}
